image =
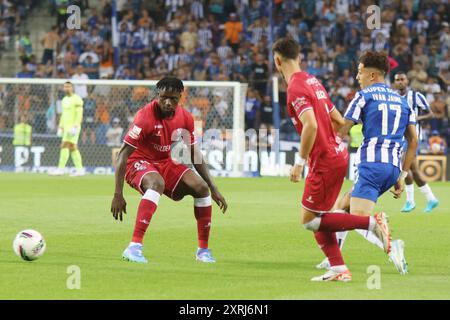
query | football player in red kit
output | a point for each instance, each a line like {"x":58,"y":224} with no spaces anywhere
{"x":145,"y":162}
{"x":314,"y":115}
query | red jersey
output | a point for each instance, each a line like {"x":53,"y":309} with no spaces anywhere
{"x":305,"y":92}
{"x":152,"y":137}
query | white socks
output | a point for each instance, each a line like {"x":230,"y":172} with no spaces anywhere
{"x":203,"y":202}
{"x":339,"y":269}
{"x":409,"y":193}
{"x":152,"y":195}
{"x":426,"y":191}
{"x":371,"y":237}
{"x":368,"y":235}
{"x":340,"y":236}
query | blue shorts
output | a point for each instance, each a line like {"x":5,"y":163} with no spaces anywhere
{"x":373,"y":179}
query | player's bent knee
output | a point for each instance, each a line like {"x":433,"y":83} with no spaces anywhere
{"x":154,"y":182}
{"x":310,"y":220}
{"x":312,"y":225}
{"x":202,"y":190}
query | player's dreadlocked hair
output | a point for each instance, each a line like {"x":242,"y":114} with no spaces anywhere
{"x":170,"y":83}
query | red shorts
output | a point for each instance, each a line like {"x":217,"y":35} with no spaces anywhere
{"x":170,"y":171}
{"x":322,"y":186}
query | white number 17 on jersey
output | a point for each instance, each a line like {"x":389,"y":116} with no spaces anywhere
{"x":383,"y":107}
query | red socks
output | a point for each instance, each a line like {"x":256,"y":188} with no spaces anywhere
{"x":146,"y":209}
{"x":202,"y":211}
{"x":326,"y":226}
{"x":333,"y":222}
{"x":330,"y":247}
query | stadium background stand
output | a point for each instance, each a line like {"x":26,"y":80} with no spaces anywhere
{"x":226,"y":40}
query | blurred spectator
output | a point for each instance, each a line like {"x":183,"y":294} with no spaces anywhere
{"x":173,"y":58}
{"x":24,"y":73}
{"x":438,"y":107}
{"x":267,"y":111}
{"x":204,"y":36}
{"x":366,"y":44}
{"x":172,"y":6}
{"x":102,"y":119}
{"x":89,"y":114}
{"x":197,"y":10}
{"x":188,"y":39}
{"x":252,"y":109}
{"x":224,"y":49}
{"x":25,"y":47}
{"x":4,"y":37}
{"x":430,"y":88}
{"x":32,"y":65}
{"x":50,"y":41}
{"x":417,"y":76}
{"x":114,"y":134}
{"x":106,"y":61}
{"x":259,"y":76}
{"x":161,"y":38}
{"x":61,"y":12}
{"x":419,"y":55}
{"x":90,"y":67}
{"x":342,"y":60}
{"x":293,"y":29}
{"x":233,"y":29}
{"x":444,"y":37}
{"x":79,"y":89}
{"x":257,"y":30}
{"x":22,"y":132}
{"x":254,"y":12}
{"x":436,"y":144}
{"x":219,"y":116}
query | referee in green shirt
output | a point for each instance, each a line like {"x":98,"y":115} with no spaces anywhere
{"x":69,"y":129}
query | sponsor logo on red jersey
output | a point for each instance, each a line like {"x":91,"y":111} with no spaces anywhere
{"x":297,"y":103}
{"x":160,"y":148}
{"x":134,"y":132}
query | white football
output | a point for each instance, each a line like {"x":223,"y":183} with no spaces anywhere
{"x":29,"y":245}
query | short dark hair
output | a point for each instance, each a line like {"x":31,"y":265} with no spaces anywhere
{"x":287,"y":47}
{"x":376,"y":60}
{"x":68,"y":82}
{"x":401,"y":73}
{"x":170,"y":83}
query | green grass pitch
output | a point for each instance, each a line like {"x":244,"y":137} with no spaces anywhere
{"x":261,"y":249}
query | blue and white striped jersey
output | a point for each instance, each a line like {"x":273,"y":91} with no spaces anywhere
{"x":385,"y":116}
{"x":417,"y":101}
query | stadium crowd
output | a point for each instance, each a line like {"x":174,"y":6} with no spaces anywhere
{"x":12,"y":14}
{"x":228,"y":40}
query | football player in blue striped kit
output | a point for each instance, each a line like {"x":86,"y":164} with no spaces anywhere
{"x":387,"y":119}
{"x":418,"y":103}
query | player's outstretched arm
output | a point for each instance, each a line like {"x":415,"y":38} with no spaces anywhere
{"x":118,"y":204}
{"x":202,"y":169}
{"x":411,"y":137}
{"x":345,"y":128}
{"x":426,"y":116}
{"x":336,"y":119}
